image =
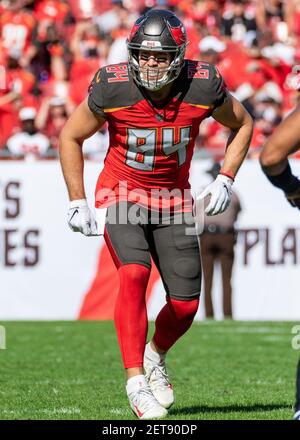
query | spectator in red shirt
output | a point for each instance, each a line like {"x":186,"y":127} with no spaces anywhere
{"x":89,"y":52}
{"x":16,"y":92}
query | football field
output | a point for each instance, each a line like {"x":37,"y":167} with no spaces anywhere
{"x":220,"y":370}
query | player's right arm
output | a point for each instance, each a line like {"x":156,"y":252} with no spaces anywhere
{"x":82,"y":124}
{"x":274,"y":157}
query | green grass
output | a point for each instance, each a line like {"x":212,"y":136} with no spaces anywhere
{"x":220,"y":370}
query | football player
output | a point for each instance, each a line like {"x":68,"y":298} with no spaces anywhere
{"x":274,"y":161}
{"x":153,"y":105}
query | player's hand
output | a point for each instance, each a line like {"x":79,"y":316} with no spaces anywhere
{"x":81,"y":219}
{"x":294,"y":197}
{"x":220,"y":191}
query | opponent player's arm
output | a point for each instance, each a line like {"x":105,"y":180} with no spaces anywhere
{"x":274,"y":157}
{"x":232,"y":114}
{"x":82,"y":124}
{"x":284,"y":141}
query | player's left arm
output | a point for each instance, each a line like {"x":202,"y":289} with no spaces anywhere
{"x":232,"y":114}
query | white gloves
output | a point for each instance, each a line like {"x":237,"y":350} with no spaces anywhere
{"x":81,"y":218}
{"x":220,"y":191}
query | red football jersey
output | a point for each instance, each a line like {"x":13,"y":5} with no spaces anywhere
{"x":16,"y":30}
{"x":150,"y":147}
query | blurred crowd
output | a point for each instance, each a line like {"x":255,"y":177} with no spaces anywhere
{"x":50,"y":50}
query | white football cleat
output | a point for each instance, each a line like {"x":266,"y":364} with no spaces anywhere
{"x":143,"y":403}
{"x":158,"y":379}
{"x":297,"y":415}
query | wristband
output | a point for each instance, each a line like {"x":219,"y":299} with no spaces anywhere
{"x":227,"y":174}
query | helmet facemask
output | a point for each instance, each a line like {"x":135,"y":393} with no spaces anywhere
{"x":155,"y":78}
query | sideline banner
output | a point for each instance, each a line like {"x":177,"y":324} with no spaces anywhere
{"x":48,"y":272}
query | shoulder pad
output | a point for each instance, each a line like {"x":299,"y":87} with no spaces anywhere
{"x":206,"y":85}
{"x":112,"y":88}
